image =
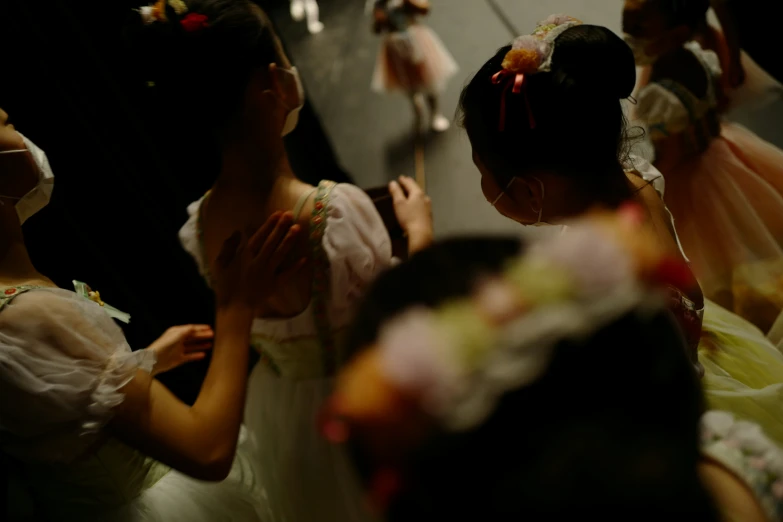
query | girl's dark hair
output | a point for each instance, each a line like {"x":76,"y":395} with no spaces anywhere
{"x":580,"y":127}
{"x":202,"y":75}
{"x":610,"y":432}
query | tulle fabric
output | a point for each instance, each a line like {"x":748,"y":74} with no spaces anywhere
{"x":413,"y":61}
{"x":306,"y":478}
{"x":63,"y":361}
{"x":180,"y":498}
{"x":728,"y":204}
{"x":743,"y":370}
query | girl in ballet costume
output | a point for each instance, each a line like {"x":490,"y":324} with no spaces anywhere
{"x":231,"y":65}
{"x":725,"y":184}
{"x":497,"y":379}
{"x":412,"y":59}
{"x":520,"y":112}
{"x":307,"y":9}
{"x":92,"y":435}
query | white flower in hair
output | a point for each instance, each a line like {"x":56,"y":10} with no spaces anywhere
{"x":416,"y":355}
{"x":595,"y":262}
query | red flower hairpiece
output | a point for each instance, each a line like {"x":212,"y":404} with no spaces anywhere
{"x":194,"y":22}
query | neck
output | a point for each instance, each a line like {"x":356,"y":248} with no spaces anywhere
{"x":607,"y":189}
{"x":15,"y":264}
{"x":254,"y":166}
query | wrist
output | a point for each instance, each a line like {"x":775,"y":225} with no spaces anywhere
{"x":419,"y":238}
{"x":235,"y":312}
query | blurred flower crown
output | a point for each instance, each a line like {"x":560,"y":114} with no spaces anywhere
{"x":190,"y":22}
{"x":453,"y":363}
{"x":530,"y":54}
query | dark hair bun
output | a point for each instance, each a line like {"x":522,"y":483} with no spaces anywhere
{"x":593,"y":61}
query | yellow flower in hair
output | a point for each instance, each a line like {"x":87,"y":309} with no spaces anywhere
{"x":538,"y":282}
{"x":522,"y":61}
{"x":472,"y":336}
{"x":179,"y":6}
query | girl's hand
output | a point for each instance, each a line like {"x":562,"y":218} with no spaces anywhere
{"x":250,"y":267}
{"x":180,"y":345}
{"x":413,"y":211}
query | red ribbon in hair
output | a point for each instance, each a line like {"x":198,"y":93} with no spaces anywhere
{"x":517,"y":86}
{"x":194,"y":22}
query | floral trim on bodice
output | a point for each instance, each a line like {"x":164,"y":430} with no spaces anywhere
{"x":9,"y":293}
{"x":744,"y":449}
{"x":321,"y":282}
{"x":321,"y":291}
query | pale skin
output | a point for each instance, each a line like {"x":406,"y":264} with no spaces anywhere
{"x":257,"y":180}
{"x":199,"y":440}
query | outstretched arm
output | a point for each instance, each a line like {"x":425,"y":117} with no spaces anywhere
{"x":201,"y":440}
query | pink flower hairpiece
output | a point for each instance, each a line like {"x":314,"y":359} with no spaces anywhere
{"x":529,"y":54}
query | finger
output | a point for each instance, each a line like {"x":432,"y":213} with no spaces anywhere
{"x":272,"y":242}
{"x":398,"y":196}
{"x":263,"y":231}
{"x":281,"y":252}
{"x":198,"y":336}
{"x":229,"y":250}
{"x":196,"y":356}
{"x":411,"y":186}
{"x":198,"y":347}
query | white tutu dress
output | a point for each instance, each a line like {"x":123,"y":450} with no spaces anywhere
{"x":62,"y":362}
{"x":412,"y":58}
{"x":306,"y":478}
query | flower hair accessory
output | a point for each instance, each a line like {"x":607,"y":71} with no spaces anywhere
{"x":530,"y":54}
{"x":451,"y":365}
{"x":157,"y":11}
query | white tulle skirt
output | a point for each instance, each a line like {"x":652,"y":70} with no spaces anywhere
{"x":180,"y":498}
{"x":306,"y":479}
{"x":413,"y":61}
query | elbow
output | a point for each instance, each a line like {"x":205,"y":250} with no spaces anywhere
{"x":215,"y":465}
{"x":215,"y":471}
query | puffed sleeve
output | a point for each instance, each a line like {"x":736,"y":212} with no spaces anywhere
{"x":356,"y":242}
{"x":63,"y":362}
{"x":662,"y":111}
{"x":190,"y":238}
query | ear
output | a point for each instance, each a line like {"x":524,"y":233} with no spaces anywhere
{"x":274,"y":79}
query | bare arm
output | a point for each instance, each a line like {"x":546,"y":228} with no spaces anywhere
{"x":201,"y":440}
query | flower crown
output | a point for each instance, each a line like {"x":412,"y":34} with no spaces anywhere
{"x":190,"y":22}
{"x":530,"y":54}
{"x":454,"y":363}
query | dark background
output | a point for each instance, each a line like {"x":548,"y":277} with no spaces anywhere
{"x":123,"y":177}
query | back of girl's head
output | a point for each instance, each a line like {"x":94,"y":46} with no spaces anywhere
{"x":198,"y":63}
{"x":580,"y":128}
{"x":609,"y":432}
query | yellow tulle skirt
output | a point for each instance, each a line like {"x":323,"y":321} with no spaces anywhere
{"x":743,"y":370}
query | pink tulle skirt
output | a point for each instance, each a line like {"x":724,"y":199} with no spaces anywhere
{"x":413,"y":61}
{"x":728,"y":207}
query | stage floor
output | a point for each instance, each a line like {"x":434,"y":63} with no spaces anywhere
{"x":371,"y":133}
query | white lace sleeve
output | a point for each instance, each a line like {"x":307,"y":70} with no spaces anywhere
{"x":662,"y":112}
{"x":356,"y":242}
{"x":63,"y":361}
{"x":190,"y":237}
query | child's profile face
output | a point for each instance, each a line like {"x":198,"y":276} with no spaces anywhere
{"x":18,"y":171}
